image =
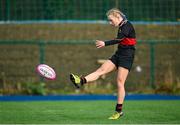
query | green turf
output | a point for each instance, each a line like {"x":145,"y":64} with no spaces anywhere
{"x":93,"y":112}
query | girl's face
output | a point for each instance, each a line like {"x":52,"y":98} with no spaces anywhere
{"x":114,"y":21}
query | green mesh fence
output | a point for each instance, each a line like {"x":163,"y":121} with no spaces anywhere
{"x":24,"y":45}
{"x":136,"y":10}
{"x":154,"y":66}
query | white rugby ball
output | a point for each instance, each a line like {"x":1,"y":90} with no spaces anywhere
{"x":46,"y":71}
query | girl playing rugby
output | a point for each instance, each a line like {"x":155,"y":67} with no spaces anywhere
{"x":121,"y":61}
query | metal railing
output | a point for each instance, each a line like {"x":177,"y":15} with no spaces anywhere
{"x":42,"y":52}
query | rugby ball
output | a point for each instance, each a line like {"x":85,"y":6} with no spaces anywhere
{"x":46,"y":71}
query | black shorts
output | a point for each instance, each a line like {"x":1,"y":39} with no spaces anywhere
{"x":124,"y":57}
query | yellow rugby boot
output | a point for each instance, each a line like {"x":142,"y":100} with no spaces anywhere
{"x":116,"y":115}
{"x":76,"y":80}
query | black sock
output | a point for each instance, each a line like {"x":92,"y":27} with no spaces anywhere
{"x":83,"y":80}
{"x":119,"y":107}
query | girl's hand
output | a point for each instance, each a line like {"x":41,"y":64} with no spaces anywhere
{"x":100,"y":43}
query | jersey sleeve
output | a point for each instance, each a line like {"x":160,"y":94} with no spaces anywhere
{"x":122,"y":33}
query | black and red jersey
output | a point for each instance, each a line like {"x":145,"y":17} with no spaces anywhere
{"x":126,"y":35}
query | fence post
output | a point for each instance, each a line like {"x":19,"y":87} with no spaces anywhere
{"x":41,"y":55}
{"x":116,"y":3}
{"x":152,"y":65}
{"x":7,"y":10}
{"x":41,"y":52}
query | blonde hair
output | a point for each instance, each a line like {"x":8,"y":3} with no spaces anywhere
{"x":115,"y":12}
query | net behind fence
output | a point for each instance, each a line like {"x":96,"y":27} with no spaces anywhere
{"x":83,"y":32}
{"x":153,"y":68}
{"x":62,"y":33}
{"x":136,"y":10}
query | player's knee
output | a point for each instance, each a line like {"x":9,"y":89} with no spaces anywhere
{"x":120,"y":83}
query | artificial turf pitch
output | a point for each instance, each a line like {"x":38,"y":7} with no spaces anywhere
{"x":89,"y":112}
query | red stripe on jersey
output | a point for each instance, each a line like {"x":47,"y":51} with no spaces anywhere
{"x":128,"y":41}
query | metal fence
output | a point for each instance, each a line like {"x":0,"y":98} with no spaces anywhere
{"x":28,"y":28}
{"x":154,"y":62}
{"x":136,"y":10}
